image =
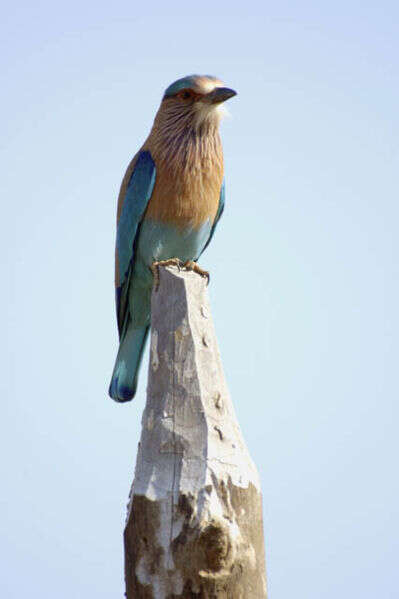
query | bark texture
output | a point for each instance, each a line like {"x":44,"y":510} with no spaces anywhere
{"x":194,"y":525}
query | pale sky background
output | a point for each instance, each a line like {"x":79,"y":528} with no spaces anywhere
{"x":304,"y":280}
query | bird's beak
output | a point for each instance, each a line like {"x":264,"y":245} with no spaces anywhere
{"x":219,"y":94}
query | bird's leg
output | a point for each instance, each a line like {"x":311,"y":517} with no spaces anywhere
{"x":191,"y":265}
{"x":155,"y":268}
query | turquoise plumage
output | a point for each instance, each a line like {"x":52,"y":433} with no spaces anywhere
{"x":138,"y":193}
{"x":170,"y":202}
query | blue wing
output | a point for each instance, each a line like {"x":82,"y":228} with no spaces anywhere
{"x":134,"y":203}
{"x":218,"y":215}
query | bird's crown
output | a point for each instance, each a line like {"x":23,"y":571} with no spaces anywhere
{"x":200,"y":84}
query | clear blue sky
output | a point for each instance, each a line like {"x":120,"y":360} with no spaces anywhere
{"x":304,"y":280}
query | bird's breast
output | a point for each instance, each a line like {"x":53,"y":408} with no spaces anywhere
{"x":186,"y":197}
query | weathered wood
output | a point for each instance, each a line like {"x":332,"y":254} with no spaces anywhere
{"x":194,"y":525}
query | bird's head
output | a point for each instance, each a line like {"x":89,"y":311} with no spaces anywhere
{"x":195,"y":100}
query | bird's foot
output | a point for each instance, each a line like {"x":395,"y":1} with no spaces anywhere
{"x":155,"y":268}
{"x":191,"y":265}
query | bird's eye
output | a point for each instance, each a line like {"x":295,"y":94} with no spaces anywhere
{"x":185,"y":95}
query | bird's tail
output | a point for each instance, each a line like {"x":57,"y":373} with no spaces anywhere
{"x":124,"y":377}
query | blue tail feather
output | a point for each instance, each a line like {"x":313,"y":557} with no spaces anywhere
{"x":124,"y":377}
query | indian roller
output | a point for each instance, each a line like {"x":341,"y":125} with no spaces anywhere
{"x":170,"y":201}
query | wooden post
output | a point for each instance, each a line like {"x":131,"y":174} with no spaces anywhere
{"x":194,"y":524}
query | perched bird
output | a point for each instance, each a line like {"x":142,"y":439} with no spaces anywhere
{"x":170,"y":201}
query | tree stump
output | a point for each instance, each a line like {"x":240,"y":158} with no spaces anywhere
{"x":194,"y":524}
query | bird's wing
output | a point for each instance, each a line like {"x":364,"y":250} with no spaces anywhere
{"x":135,"y":193}
{"x":218,"y":215}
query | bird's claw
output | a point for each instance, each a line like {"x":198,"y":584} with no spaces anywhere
{"x":155,"y":268}
{"x":191,"y":265}
{"x":188,"y":265}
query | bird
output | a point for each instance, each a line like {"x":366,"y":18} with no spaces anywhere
{"x":171,"y":199}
